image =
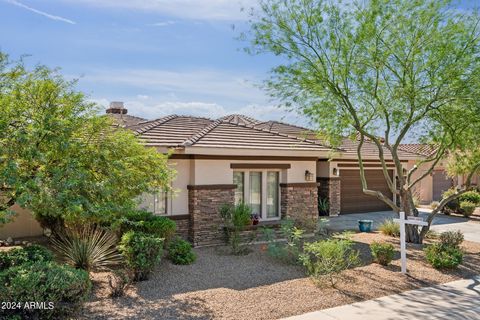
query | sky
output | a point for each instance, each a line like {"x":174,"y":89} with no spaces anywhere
{"x":157,"y":56}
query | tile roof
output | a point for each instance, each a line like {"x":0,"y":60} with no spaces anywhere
{"x":238,"y":131}
{"x":233,"y":131}
{"x":347,"y":147}
{"x":418,"y":148}
{"x":125,"y":120}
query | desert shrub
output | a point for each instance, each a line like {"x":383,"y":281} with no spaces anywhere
{"x":432,"y":234}
{"x":180,"y":252}
{"x":451,"y":239}
{"x":443,"y":257}
{"x":44,"y":281}
{"x":323,"y":206}
{"x":390,"y":228}
{"x":434,"y":205}
{"x":18,"y":256}
{"x":471,"y":196}
{"x":235,"y":219}
{"x":452,"y":205}
{"x":88,"y":247}
{"x":446,"y":254}
{"x":326,"y":259}
{"x":118,"y":282}
{"x":146,"y":222}
{"x":142,"y":252}
{"x":288,"y":250}
{"x":322,"y":227}
{"x":467,"y":208}
{"x":382,"y":252}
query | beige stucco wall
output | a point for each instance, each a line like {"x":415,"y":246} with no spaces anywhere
{"x":424,"y":188}
{"x":219,"y":171}
{"x":23,"y":225}
{"x":178,"y":201}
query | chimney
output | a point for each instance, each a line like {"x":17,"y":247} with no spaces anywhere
{"x":116,"y":107}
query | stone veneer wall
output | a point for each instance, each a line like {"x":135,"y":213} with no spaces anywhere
{"x":330,"y":188}
{"x":299,"y":201}
{"x":183,"y":225}
{"x":204,"y":202}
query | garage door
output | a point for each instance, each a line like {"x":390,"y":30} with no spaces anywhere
{"x":441,"y":183}
{"x":353,"y":199}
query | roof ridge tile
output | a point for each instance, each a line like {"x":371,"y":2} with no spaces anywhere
{"x":155,"y":123}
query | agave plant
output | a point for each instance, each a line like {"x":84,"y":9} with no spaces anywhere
{"x":87,"y":247}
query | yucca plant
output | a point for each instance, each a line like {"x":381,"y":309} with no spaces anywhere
{"x":87,"y":247}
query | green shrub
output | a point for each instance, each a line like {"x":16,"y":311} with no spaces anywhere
{"x":235,"y":219}
{"x":382,"y":252}
{"x":87,"y":247}
{"x":180,"y":252}
{"x":432,"y":234}
{"x":323,"y":206}
{"x":142,"y":252}
{"x":453,"y":205}
{"x":443,"y":257}
{"x":162,"y":227}
{"x":18,"y":256}
{"x":390,"y":228}
{"x":288,"y":250}
{"x":44,"y":281}
{"x":328,"y":258}
{"x":467,"y":208}
{"x":146,"y":222}
{"x":471,"y":196}
{"x":451,"y":239}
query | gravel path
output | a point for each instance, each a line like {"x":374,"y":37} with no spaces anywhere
{"x":255,"y":286}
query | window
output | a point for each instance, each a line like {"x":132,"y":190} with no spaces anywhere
{"x":256,"y":192}
{"x":260,"y":189}
{"x":154,"y":202}
{"x":272,"y":194}
{"x":239,"y":180}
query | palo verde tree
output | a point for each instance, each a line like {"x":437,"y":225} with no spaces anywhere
{"x":387,"y":71}
{"x":60,"y":159}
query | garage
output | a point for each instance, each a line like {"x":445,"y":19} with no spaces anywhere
{"x":353,"y":200}
{"x":441,"y":183}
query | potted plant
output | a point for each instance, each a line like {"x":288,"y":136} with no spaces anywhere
{"x":255,"y":218}
{"x":365,"y":225}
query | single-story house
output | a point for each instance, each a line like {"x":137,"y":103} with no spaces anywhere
{"x":279,"y":169}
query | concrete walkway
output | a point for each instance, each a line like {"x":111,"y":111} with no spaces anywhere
{"x":454,"y":300}
{"x":441,"y":222}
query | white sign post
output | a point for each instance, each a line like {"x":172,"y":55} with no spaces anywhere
{"x":403,"y":246}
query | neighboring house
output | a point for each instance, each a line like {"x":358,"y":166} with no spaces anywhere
{"x":431,"y":187}
{"x":279,"y":169}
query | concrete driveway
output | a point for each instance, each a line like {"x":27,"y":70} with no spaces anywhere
{"x":456,"y":300}
{"x":441,"y":222}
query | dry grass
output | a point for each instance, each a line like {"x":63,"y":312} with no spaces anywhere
{"x":220,"y":286}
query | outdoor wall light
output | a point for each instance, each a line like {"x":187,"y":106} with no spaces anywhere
{"x":308,"y":176}
{"x":335,"y":171}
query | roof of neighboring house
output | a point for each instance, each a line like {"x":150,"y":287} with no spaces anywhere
{"x":233,"y":131}
{"x":348,"y":146}
{"x":125,"y":120}
{"x":418,"y":148}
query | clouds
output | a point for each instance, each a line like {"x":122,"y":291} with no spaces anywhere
{"x":153,"y":110}
{"x":42,"y":13}
{"x":184,"y":9}
{"x":163,"y":23}
{"x":223,"y":87}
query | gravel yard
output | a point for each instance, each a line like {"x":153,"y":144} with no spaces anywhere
{"x":255,"y":286}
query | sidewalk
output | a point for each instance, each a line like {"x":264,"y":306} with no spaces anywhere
{"x":454,"y":300}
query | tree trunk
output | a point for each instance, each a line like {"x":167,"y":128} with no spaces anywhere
{"x":412,"y":232}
